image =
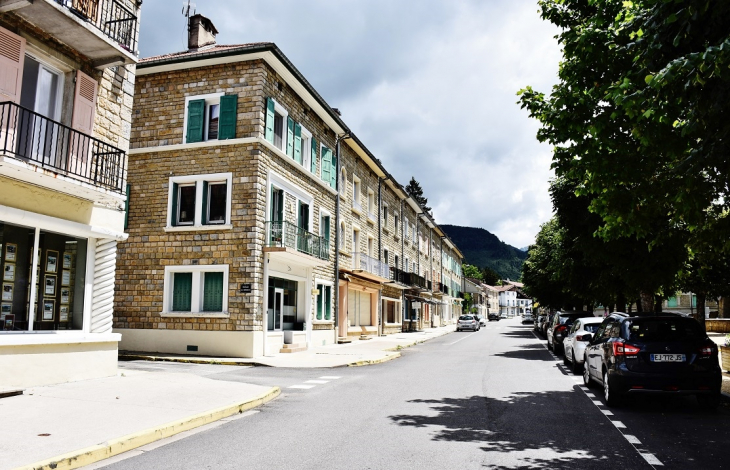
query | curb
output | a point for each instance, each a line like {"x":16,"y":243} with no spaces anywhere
{"x":144,"y":357}
{"x":374,"y":361}
{"x":113,"y":447}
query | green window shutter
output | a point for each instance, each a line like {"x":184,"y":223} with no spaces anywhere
{"x":326,"y":230}
{"x":213,"y":292}
{"x":126,"y":208}
{"x":205,"y":203}
{"x":326,"y":164}
{"x":182,"y":291}
{"x":314,"y":155}
{"x":327,"y":302}
{"x":269,"y":128}
{"x":333,"y":171}
{"x":298,"y":143}
{"x":196,"y":119}
{"x":290,"y":136}
{"x":228,"y":117}
{"x":320,"y":305}
{"x":173,"y":215}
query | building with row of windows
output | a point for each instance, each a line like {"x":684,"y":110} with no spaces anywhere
{"x":258,"y":222}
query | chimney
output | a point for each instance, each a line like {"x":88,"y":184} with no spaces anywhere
{"x":201,"y":32}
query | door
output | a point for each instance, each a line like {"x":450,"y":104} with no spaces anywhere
{"x":40,"y":93}
{"x":275,"y":310}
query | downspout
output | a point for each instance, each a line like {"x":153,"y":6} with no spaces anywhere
{"x":402,"y":255}
{"x":441,"y":277}
{"x":380,"y":251}
{"x":430,"y":267}
{"x":338,"y":170}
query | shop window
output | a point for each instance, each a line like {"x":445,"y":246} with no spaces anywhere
{"x":282,"y":306}
{"x":391,"y":311}
{"x":54,"y":278}
{"x":324,"y":302}
{"x":200,"y":200}
{"x":195,"y":289}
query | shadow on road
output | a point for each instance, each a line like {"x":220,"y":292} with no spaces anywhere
{"x":523,"y":426}
{"x":519,"y":333}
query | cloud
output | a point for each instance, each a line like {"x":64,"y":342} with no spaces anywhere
{"x":429,"y":87}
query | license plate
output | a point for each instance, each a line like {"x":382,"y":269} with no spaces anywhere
{"x":668,"y":357}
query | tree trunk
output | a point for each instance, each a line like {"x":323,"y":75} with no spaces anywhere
{"x":724,"y":307}
{"x":700,"y":312}
{"x":621,"y":303}
{"x":657,"y":304}
{"x":647,"y":301}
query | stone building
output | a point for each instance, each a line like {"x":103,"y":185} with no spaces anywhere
{"x":255,"y":214}
{"x":67,"y":80}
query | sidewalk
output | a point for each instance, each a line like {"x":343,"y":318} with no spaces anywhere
{"x":358,"y":353}
{"x":75,"y":424}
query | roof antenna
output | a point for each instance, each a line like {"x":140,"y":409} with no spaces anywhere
{"x":187,"y":5}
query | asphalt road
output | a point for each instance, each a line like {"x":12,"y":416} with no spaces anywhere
{"x":495,"y":399}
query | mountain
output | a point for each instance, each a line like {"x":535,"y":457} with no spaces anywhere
{"x":482,"y":248}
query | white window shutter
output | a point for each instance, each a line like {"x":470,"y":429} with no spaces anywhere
{"x":12,"y":56}
{"x":84,"y":103}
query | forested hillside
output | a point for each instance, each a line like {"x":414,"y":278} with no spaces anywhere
{"x":481,"y":248}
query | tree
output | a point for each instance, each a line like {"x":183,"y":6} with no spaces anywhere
{"x":472,"y":272}
{"x":490,"y":276}
{"x":416,"y":192}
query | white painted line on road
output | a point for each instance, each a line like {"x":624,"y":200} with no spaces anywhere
{"x":597,"y":402}
{"x":619,"y":424}
{"x":304,"y":387}
{"x":330,"y":377}
{"x":607,"y":412}
{"x":584,"y":388}
{"x":651,"y":459}
{"x":632,"y":439}
{"x":316,"y":381}
{"x":590,"y":395}
{"x":460,"y":339}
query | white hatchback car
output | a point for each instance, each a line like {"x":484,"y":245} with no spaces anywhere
{"x":574,"y":346}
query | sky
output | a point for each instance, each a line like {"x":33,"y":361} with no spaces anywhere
{"x":429,"y":86}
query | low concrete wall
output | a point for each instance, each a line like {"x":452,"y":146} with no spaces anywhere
{"x":209,"y":343}
{"x":718,"y":325}
{"x":323,"y":337}
{"x":47,"y":364}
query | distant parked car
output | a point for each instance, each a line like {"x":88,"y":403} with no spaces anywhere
{"x":558,"y":329}
{"x":574,"y":344}
{"x":468,"y":322}
{"x":527,"y":317}
{"x":539,"y":319}
{"x":482,"y":320}
{"x":493,"y":316}
{"x":665,"y":354}
{"x":548,"y":321}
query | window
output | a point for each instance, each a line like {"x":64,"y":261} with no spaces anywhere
{"x":356,"y":194}
{"x":324,"y":302}
{"x":277,"y":126}
{"x":306,"y":148}
{"x":391,"y":311}
{"x":396,"y":227}
{"x":386,"y":255}
{"x":395,"y":259}
{"x":355,"y":240}
{"x":210,"y":117}
{"x":342,"y":235}
{"x":195,"y":290}
{"x":324,"y":226}
{"x":329,"y":167}
{"x":343,"y":183}
{"x":371,"y":204}
{"x":385,"y":216}
{"x":199,"y":200}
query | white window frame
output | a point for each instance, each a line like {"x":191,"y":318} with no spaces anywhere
{"x":54,"y":67}
{"x":306,"y":149}
{"x":385,"y":217}
{"x":343,"y":183}
{"x":321,"y":282}
{"x":198,"y":180}
{"x":279,"y":109}
{"x":196,"y":302}
{"x":356,"y":193}
{"x":210,"y":98}
{"x":398,"y":310}
{"x":279,"y":182}
{"x":371,"y":205}
{"x":343,"y":231}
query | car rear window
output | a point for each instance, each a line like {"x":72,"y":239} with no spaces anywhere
{"x":592,"y":327}
{"x":465,"y":317}
{"x":655,"y":329}
{"x":568,"y":320}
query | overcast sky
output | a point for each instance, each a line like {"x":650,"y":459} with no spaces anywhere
{"x":429,"y":86}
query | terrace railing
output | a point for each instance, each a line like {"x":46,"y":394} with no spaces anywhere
{"x":34,"y":138}
{"x":371,"y":265}
{"x":287,"y":235}
{"x":111,"y":17}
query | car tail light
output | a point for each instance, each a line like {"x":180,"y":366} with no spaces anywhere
{"x":579,"y":337}
{"x":560,"y":328}
{"x":708,"y":349}
{"x":622,"y":349}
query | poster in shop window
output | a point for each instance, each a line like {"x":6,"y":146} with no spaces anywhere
{"x":7,"y":309}
{"x":49,"y":306}
{"x":65,"y":296}
{"x":11,"y":252}
{"x":66,"y":278}
{"x":67,"y":261}
{"x":63,"y":313}
{"x":9,"y":272}
{"x":51,"y":261}
{"x":50,"y":289}
{"x":7,"y":292}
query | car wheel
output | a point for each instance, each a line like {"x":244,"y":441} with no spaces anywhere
{"x":709,"y":402}
{"x":609,"y":391}
{"x":574,"y":365}
{"x":586,"y":374}
{"x":557,"y":349}
{"x":565,"y":360}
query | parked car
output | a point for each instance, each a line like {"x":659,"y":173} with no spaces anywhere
{"x":665,"y":354}
{"x":468,"y":322}
{"x":539,"y":320}
{"x":574,"y":344}
{"x":493,"y":316}
{"x":548,"y":321}
{"x":557,"y":330}
{"x":482,"y":320}
{"x":527,"y":317}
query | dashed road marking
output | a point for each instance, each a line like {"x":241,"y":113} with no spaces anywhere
{"x":632,"y":439}
{"x":303,"y":387}
{"x":607,"y":412}
{"x":651,"y":458}
{"x":316,"y":381}
{"x":330,"y":377}
{"x":619,"y":424}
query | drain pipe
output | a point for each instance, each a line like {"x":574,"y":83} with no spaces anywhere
{"x":338,"y":173}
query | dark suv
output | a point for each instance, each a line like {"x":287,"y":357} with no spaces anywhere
{"x":666,"y":354}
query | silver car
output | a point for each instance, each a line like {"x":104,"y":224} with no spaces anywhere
{"x":468,"y":322}
{"x":574,"y":345}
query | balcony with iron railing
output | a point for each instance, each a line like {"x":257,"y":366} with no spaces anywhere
{"x":441,"y":287}
{"x":103,"y":30}
{"x":368,"y":264}
{"x":283,"y":234}
{"x":47,"y":153}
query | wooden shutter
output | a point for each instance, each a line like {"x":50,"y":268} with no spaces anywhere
{"x":290,"y":136}
{"x":326,"y":164}
{"x":205,"y":215}
{"x":182,"y":291}
{"x":298,"y":143}
{"x":228,"y":117}
{"x":12,"y":56}
{"x":83,"y":121}
{"x":196,"y":121}
{"x":269,"y":126}
{"x":173,"y":210}
{"x":213,"y":292}
{"x":333,"y":171}
{"x":314,"y":156}
{"x":326,"y":230}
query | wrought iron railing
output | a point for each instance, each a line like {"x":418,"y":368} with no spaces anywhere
{"x":32,"y":137}
{"x":288,"y":235}
{"x":110,"y":17}
{"x":397,"y":275}
{"x":441,"y":287}
{"x":371,"y":265}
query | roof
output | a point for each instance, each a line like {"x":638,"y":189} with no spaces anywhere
{"x":214,"y":50}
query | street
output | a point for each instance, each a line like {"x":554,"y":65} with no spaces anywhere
{"x":495,"y":398}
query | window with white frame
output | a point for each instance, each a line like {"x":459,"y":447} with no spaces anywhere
{"x":391,"y":310}
{"x":356,"y":193}
{"x":371,"y":204}
{"x":276,"y":129}
{"x":210,"y":117}
{"x":386,"y":255}
{"x":324,"y":226}
{"x":200,"y":289}
{"x":396,"y":227}
{"x":306,"y":148}
{"x":199,"y":200}
{"x":385,"y":216}
{"x":324,"y":302}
